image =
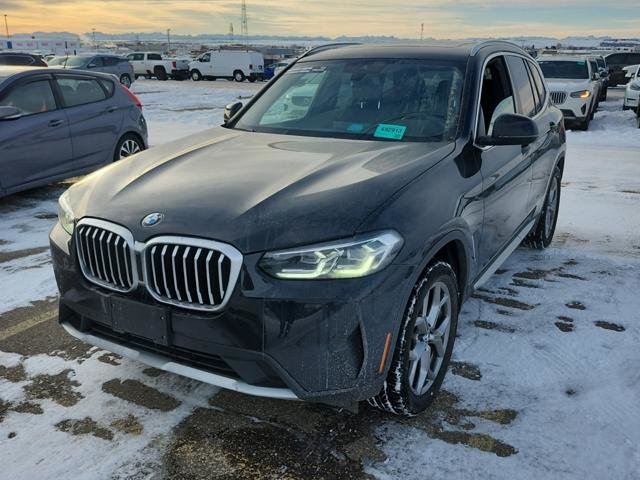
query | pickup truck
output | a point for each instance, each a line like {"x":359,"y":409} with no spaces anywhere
{"x":150,"y":64}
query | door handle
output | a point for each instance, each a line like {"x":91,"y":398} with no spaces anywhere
{"x":55,"y":123}
{"x":111,"y":109}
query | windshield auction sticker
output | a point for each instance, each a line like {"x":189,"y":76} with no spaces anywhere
{"x":393,"y":132}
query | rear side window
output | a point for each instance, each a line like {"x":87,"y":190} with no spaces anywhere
{"x":108,"y":86}
{"x":538,"y":84}
{"x":110,"y":61}
{"x":16,"y":60}
{"x":136,"y":57}
{"x":80,"y":91}
{"x":154,"y":56}
{"x":521,"y":85}
{"x":31,"y":98}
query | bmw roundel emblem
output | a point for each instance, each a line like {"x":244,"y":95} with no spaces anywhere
{"x":152,"y":219}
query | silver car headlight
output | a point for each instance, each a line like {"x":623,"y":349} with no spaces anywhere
{"x":634,"y":85}
{"x":351,"y":258}
{"x":65,"y":214}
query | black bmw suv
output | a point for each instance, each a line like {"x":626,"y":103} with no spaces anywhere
{"x":319,"y":245}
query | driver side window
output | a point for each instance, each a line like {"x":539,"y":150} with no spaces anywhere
{"x":496,"y":97}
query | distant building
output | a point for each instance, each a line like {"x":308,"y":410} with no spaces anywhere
{"x":43,"y":46}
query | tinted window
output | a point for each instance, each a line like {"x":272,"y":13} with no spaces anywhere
{"x":136,"y":57}
{"x":600,"y":62}
{"x":16,"y":60}
{"x":564,"y":68}
{"x":80,"y":91}
{"x":96,"y":62}
{"x":109,"y":61}
{"x":539,"y":85}
{"x":623,"y":59}
{"x":154,"y":56}
{"x":594,"y":66}
{"x":393,"y":99}
{"x":497,"y":96}
{"x":521,"y":85}
{"x":30,"y":98}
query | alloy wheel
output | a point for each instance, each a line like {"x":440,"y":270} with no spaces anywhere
{"x":552,"y":208}
{"x":128,"y":148}
{"x":430,"y":338}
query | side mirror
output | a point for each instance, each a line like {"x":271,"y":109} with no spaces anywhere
{"x":230,"y":110}
{"x":511,"y":129}
{"x":9,"y":113}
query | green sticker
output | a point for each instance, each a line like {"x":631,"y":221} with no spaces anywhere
{"x":394,"y":132}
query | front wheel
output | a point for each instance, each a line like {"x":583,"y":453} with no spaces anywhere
{"x":542,"y":234}
{"x":128,"y":145}
{"x":424,"y":345}
{"x":196,"y":76}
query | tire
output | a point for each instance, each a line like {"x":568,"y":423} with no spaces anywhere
{"x":584,"y":124}
{"x":625,"y":108}
{"x":128,"y":145}
{"x":604,"y":94}
{"x":542,"y":234}
{"x":196,"y":76}
{"x":160,"y":73}
{"x":638,"y":117}
{"x":408,"y":389}
{"x":125,"y":80}
{"x":252,"y":79}
{"x":238,"y":76}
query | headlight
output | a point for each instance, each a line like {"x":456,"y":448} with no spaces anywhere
{"x":634,"y":86}
{"x":581,"y":94}
{"x":353,"y":258}
{"x":65,"y":214}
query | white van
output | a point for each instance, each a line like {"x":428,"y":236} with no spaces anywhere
{"x":231,"y":64}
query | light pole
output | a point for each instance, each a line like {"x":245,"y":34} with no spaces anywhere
{"x":168,"y":40}
{"x":95,"y":45}
{"x":6,"y":26}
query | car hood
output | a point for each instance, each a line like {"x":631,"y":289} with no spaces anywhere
{"x":255,"y":191}
{"x":560,"y":84}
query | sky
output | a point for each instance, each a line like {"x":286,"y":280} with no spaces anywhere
{"x":400,"y":18}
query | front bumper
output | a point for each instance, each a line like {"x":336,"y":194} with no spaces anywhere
{"x":631,"y":98}
{"x":312,"y":340}
{"x":575,"y":109}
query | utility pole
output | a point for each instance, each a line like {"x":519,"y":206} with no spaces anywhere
{"x":95,"y":45}
{"x":244,"y":24}
{"x":168,"y":40}
{"x":231,"y":33}
{"x":6,"y":26}
{"x":422,"y":31}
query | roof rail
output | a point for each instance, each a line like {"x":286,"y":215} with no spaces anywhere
{"x":329,"y":46}
{"x":485,"y":43}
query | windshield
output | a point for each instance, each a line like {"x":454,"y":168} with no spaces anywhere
{"x":56,"y":60}
{"x":565,"y":69}
{"x":74,"y":62}
{"x":385,"y":99}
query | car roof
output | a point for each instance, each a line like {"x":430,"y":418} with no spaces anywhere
{"x":18,"y":53}
{"x":564,"y":58}
{"x":7,"y":71}
{"x":460,"y":51}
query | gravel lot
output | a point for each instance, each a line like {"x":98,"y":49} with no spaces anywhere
{"x":545,"y":381}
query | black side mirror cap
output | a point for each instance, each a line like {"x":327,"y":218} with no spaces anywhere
{"x":511,"y":129}
{"x":230,"y":110}
{"x":9,"y":113}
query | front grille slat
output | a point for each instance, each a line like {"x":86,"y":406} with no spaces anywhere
{"x":187,"y":272}
{"x":201,"y":280}
{"x":104,"y":254}
{"x":558,"y":98}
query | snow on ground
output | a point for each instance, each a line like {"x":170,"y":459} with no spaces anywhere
{"x":546,"y":379}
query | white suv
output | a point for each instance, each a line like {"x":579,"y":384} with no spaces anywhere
{"x":632,"y":93}
{"x":574,"y":86}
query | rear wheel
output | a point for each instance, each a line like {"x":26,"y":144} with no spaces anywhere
{"x":128,"y":145}
{"x":542,"y":234}
{"x":125,"y":80}
{"x":424,"y":345}
{"x":238,"y":76}
{"x":160,"y":73}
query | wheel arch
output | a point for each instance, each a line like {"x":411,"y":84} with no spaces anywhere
{"x":128,"y":132}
